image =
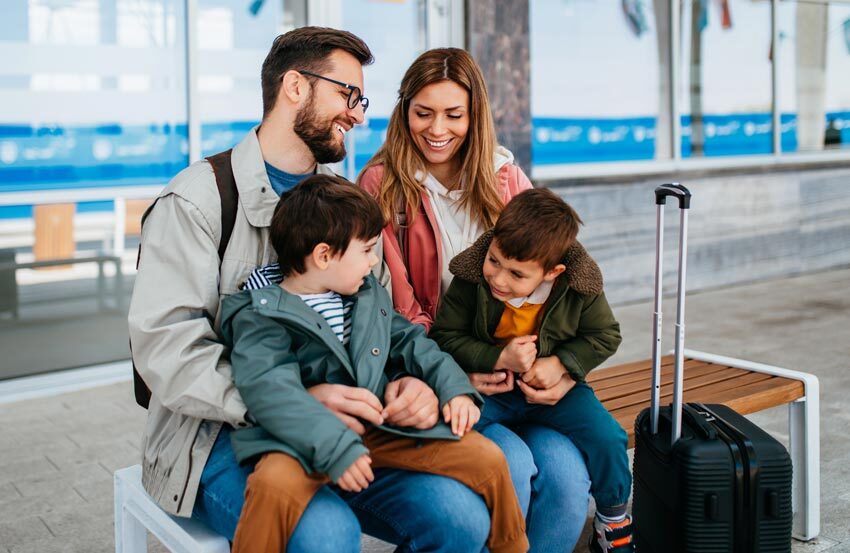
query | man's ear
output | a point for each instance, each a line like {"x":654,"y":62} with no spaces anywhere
{"x":294,"y":86}
{"x":321,"y":255}
{"x":554,"y":272}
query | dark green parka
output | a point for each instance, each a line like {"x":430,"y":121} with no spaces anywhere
{"x":280,"y":347}
{"x":577,"y":324}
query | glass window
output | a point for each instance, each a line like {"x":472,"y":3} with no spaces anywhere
{"x":92,"y":99}
{"x":814,"y":76}
{"x":395,"y":43}
{"x":726,"y":78}
{"x":594,"y":81}
{"x":233,"y":40}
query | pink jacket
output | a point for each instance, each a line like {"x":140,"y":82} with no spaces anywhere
{"x":416,"y":280}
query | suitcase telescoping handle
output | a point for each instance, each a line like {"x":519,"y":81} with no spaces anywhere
{"x":683,"y":195}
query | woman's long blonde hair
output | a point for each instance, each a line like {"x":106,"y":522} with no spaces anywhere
{"x":402,"y":159}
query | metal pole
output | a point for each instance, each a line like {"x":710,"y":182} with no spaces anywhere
{"x":678,"y":382}
{"x":774,"y":76}
{"x":656,"y":319}
{"x":193,"y":117}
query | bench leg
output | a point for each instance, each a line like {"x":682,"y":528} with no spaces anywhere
{"x":804,"y":425}
{"x":130,"y":535}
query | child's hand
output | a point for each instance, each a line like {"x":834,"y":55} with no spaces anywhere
{"x":357,"y":476}
{"x":544,"y":373}
{"x":518,"y":355}
{"x":462,"y":412}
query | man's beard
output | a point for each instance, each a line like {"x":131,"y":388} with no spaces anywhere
{"x":318,"y":135}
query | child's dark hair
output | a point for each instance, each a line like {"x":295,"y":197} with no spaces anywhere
{"x":537,"y":225}
{"x":322,"y":208}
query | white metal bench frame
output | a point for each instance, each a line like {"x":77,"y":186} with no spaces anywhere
{"x":136,"y":514}
{"x":803,"y":436}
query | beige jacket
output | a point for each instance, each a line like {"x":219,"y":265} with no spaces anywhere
{"x":174,"y":317}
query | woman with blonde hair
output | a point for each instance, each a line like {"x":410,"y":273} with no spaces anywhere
{"x":442,"y":180}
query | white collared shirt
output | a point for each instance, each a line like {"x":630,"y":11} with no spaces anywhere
{"x":540,"y":295}
{"x":458,"y":230}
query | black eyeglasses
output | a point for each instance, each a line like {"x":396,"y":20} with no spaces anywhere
{"x":355,"y":96}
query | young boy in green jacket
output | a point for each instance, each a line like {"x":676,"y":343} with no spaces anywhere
{"x":329,"y":321}
{"x":527,"y":300}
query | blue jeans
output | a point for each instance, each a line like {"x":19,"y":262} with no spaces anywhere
{"x":420,"y":512}
{"x":551,"y":482}
{"x":580,"y":416}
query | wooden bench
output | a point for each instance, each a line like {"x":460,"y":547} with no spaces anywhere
{"x":744,"y":386}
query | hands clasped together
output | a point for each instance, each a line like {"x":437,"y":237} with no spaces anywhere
{"x":543,"y":380}
{"x":408,"y":402}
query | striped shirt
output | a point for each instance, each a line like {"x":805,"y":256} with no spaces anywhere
{"x":335,"y":309}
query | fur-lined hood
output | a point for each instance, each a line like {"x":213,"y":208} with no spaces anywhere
{"x":582,"y":273}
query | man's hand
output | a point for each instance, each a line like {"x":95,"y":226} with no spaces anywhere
{"x":492,"y":383}
{"x":357,"y":476}
{"x":544,"y":373}
{"x":350,"y":404}
{"x":410,"y":402}
{"x":550,"y":396}
{"x":518,"y":355}
{"x":462,"y":412}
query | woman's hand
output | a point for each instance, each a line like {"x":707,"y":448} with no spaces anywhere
{"x":550,"y":396}
{"x":462,"y":412}
{"x":497,"y":382}
{"x":544,"y":373}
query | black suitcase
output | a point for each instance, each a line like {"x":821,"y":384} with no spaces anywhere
{"x":706,"y":479}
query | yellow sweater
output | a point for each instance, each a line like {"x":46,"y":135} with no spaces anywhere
{"x":518,"y":321}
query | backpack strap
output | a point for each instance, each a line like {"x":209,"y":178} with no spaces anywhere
{"x":229,"y":196}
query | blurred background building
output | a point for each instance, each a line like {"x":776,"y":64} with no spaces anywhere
{"x":747,"y":102}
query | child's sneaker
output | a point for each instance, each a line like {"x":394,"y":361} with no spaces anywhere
{"x":613,"y":537}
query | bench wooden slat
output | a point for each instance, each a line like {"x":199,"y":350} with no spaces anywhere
{"x":644,"y":377}
{"x":625,"y":368}
{"x":625,"y":389}
{"x":694,"y":381}
{"x":699,"y":393}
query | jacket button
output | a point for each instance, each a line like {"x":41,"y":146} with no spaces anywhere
{"x":264,"y":301}
{"x":384,"y":312}
{"x":175,"y":498}
{"x":376,"y":352}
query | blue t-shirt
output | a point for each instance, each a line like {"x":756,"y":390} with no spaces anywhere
{"x":282,"y":181}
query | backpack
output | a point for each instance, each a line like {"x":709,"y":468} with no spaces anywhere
{"x":229,"y":196}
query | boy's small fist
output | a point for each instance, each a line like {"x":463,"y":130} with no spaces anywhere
{"x":357,"y":476}
{"x":462,"y":413}
{"x":519,"y":355}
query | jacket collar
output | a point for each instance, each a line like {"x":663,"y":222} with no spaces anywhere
{"x":283,"y":305}
{"x":582,"y":273}
{"x":256,"y":195}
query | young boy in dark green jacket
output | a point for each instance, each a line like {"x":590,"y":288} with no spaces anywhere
{"x":527,"y":300}
{"x":329,"y":321}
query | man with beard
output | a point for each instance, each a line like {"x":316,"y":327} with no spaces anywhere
{"x":312,"y":81}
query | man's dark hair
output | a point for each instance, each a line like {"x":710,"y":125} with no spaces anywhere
{"x":321,"y":208}
{"x":537,"y":225}
{"x":306,"y":49}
